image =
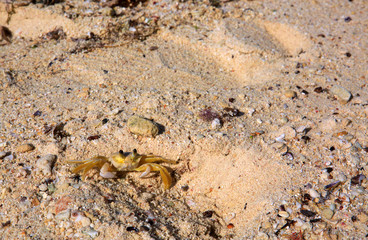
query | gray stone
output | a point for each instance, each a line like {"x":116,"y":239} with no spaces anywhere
{"x":341,"y":93}
{"x":142,"y":126}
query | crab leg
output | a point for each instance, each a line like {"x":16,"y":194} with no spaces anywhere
{"x":87,"y":165}
{"x":152,"y":159}
{"x":165,"y":175}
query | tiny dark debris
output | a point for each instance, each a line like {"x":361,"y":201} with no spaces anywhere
{"x":305,"y":92}
{"x":5,"y":34}
{"x":348,"y":19}
{"x":332,"y":148}
{"x":56,"y":34}
{"x":153,"y":48}
{"x":357,"y":180}
{"x":208,"y":214}
{"x":332,"y":186}
{"x":6,"y":224}
{"x":318,"y":90}
{"x":328,"y":169}
{"x":231,"y":112}
{"x":354,"y":218}
{"x":129,"y":229}
{"x":37,"y":113}
{"x":306,"y":139}
{"x":308,"y":213}
{"x":348,"y":54}
{"x":299,"y":65}
{"x":93,"y":137}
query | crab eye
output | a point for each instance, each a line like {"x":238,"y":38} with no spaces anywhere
{"x":134,"y":151}
{"x":121,"y":152}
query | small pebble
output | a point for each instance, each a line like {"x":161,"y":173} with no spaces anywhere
{"x":91,"y":232}
{"x":42,"y":187}
{"x":46,"y":163}
{"x":9,"y":157}
{"x":25,"y":148}
{"x":216,"y":123}
{"x":3,"y":154}
{"x":313,"y":193}
{"x":142,"y":126}
{"x":327,"y":213}
{"x":290,"y":93}
{"x":63,"y":215}
{"x":341,"y":93}
{"x":114,"y":112}
{"x":284,"y":214}
{"x":325,"y":175}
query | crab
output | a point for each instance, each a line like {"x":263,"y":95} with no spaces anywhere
{"x":123,"y":161}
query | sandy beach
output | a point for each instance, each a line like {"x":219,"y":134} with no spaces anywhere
{"x":262,"y":105}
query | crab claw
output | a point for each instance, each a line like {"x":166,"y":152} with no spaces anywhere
{"x":153,"y":167}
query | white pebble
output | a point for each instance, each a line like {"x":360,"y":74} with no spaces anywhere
{"x":284,"y":214}
{"x":64,"y":215}
{"x":42,"y":187}
{"x":280,"y":138}
{"x":3,"y":154}
{"x":216,"y":123}
{"x":325,"y":175}
{"x":314,"y":193}
{"x":9,"y":157}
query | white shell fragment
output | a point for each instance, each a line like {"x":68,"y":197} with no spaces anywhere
{"x":314,"y":193}
{"x":46,"y":163}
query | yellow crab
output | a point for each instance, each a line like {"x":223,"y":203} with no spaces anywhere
{"x":121,"y":161}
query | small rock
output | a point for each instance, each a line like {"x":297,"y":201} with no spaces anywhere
{"x":216,"y":123}
{"x":325,"y":175}
{"x":141,"y":126}
{"x":107,"y":11}
{"x":43,"y":187}
{"x":290,"y":93}
{"x":341,"y":93}
{"x":327,"y":213}
{"x":25,"y":148}
{"x":313,"y":193}
{"x":363,"y":217}
{"x":63,"y":215}
{"x":284,"y":214}
{"x":115,"y":111}
{"x":3,"y":154}
{"x":147,"y":196}
{"x":90,"y":232}
{"x":9,"y":157}
{"x":46,"y":163}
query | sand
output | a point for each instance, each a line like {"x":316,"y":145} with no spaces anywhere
{"x":263,"y":68}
